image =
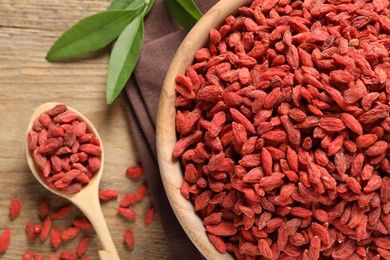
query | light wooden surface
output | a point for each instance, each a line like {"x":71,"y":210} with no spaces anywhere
{"x":171,"y":172}
{"x":27,"y":30}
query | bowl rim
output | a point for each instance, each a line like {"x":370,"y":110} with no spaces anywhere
{"x":166,"y":132}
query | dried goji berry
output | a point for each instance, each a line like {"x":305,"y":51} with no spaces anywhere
{"x":82,"y":247}
{"x":127,"y":213}
{"x":149,"y":215}
{"x":82,"y":223}
{"x":55,"y":237}
{"x":135,"y":171}
{"x":108,"y":194}
{"x":15,"y":208}
{"x":46,"y":226}
{"x":128,"y":238}
{"x":5,"y":239}
{"x":62,"y":212}
{"x":70,"y":233}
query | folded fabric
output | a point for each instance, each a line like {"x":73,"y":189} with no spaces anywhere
{"x":162,"y":38}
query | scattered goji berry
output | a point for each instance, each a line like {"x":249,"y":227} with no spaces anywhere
{"x":5,"y":239}
{"x":15,"y":208}
{"x":128,"y":238}
{"x":108,"y":194}
{"x":149,"y":215}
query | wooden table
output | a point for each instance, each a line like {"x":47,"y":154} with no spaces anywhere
{"x":27,"y":30}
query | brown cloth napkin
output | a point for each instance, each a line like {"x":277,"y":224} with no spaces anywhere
{"x":162,"y":38}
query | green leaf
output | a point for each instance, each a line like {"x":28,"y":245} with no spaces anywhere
{"x":149,"y":4}
{"x":182,"y":17}
{"x":124,"y":4}
{"x":91,"y":34}
{"x":191,"y":8}
{"x":124,"y":57}
{"x":129,"y":4}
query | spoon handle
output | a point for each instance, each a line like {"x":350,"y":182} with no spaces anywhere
{"x":90,"y":206}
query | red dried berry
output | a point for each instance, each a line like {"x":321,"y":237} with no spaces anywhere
{"x":108,"y":194}
{"x":135,"y":171}
{"x":15,"y":208}
{"x":30,"y":232}
{"x":5,"y":239}
{"x":127,"y":213}
{"x":82,"y":223}
{"x":149,"y":215}
{"x":128,"y":238}
{"x":28,"y":255}
{"x":46,"y":226}
{"x":43,"y":208}
{"x":38,"y":257}
{"x":70,"y":233}
{"x":82,"y":247}
{"x":62,"y":212}
{"x":52,"y":256}
{"x":135,"y":197}
{"x":55,"y":237}
{"x":68,"y":256}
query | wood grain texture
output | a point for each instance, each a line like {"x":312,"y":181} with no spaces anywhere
{"x":171,"y":172}
{"x":27,"y":30}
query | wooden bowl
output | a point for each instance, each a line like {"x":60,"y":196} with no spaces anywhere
{"x":171,"y":172}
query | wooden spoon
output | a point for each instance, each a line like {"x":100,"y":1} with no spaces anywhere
{"x":87,"y":199}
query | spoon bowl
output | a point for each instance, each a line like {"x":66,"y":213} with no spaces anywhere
{"x":87,"y":199}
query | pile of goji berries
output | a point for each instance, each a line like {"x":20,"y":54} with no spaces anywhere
{"x":47,"y":228}
{"x":283,"y":125}
{"x":64,"y":151}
